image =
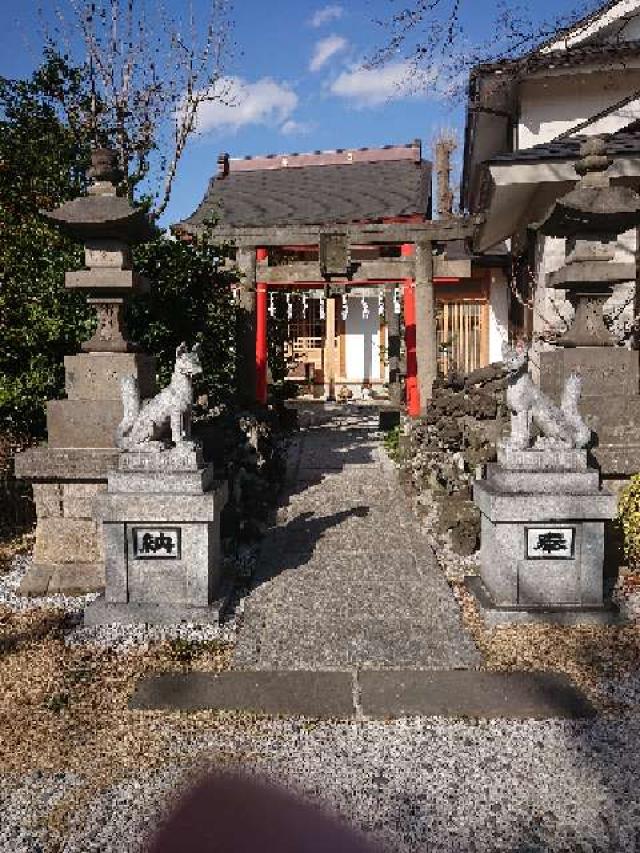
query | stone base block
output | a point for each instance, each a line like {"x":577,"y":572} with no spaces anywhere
{"x":78,"y":498}
{"x":65,"y":578}
{"x":101,"y":612}
{"x":503,"y":506}
{"x":542,"y":550}
{"x":602,"y":369}
{"x":493,"y":615}
{"x":65,"y":540}
{"x":162,"y":549}
{"x":48,"y":499}
{"x":68,"y":555}
{"x":83,"y":423}
{"x":66,"y":463}
{"x":190,"y":483}
{"x":184,"y":457}
{"x":542,"y":482}
{"x":532,"y":459}
{"x":97,"y":375}
{"x":621,"y":460}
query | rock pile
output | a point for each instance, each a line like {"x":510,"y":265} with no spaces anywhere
{"x":440,"y":454}
{"x":248,"y":449}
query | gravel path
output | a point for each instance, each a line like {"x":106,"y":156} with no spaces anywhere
{"x":346,"y":577}
{"x":414,"y":785}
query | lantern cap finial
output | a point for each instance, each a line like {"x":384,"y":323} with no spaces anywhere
{"x":104,"y":167}
{"x":593,"y":156}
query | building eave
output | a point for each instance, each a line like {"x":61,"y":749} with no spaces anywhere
{"x":520,"y":191}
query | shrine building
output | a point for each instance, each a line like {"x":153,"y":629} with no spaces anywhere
{"x":340,"y":232}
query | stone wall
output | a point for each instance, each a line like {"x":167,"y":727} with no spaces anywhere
{"x":442,"y":450}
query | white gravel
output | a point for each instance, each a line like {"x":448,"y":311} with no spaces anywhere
{"x":10,"y":581}
{"x":123,"y":638}
{"x":625,"y":690}
{"x":413,"y":784}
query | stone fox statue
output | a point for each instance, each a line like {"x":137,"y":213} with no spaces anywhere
{"x":143,"y":423}
{"x":561,"y":426}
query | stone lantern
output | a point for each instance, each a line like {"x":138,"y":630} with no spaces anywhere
{"x":108,"y":226}
{"x":71,"y":468}
{"x":591,"y":217}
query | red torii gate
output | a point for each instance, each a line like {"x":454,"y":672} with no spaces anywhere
{"x":412,"y":384}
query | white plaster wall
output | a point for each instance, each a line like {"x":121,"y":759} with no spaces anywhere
{"x":362,"y":352}
{"x":555,"y":105}
{"x":498,"y":315}
{"x":631,"y":28}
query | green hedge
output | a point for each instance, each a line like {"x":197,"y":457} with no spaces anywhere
{"x":629,"y":520}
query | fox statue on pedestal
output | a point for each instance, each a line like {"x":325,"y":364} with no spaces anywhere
{"x":561,"y":426}
{"x":143,"y":423}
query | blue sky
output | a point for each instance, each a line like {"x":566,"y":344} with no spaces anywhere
{"x":298,"y":81}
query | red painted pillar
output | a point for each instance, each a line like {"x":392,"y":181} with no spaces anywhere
{"x":261,"y":333}
{"x":413,"y":393}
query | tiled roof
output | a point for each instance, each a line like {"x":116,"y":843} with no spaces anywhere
{"x":317,"y":193}
{"x":625,"y":142}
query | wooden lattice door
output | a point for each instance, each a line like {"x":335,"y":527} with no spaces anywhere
{"x":306,"y":337}
{"x":462,"y":335}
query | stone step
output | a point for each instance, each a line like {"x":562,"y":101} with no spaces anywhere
{"x":380,"y":694}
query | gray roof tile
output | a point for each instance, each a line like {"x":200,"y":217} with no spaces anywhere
{"x":317,"y":194}
{"x":625,"y":142}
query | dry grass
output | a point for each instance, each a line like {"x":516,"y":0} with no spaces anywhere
{"x":9,"y":547}
{"x":65,"y":709}
{"x":586,"y":653}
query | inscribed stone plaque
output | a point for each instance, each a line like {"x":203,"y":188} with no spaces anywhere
{"x":334,"y":254}
{"x":156,"y":543}
{"x":556,"y":543}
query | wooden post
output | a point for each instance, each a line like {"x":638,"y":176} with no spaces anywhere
{"x":330,"y":366}
{"x":393,"y":346}
{"x":246,"y":327}
{"x":261,"y":334}
{"x":413,"y":391}
{"x":425,"y":315}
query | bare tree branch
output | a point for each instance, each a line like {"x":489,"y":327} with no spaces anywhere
{"x":147,"y":78}
{"x":430,"y":35}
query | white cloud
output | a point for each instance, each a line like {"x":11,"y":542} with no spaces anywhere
{"x":291,"y":127}
{"x":368,"y":87}
{"x":326,"y":14}
{"x":263,"y":102}
{"x":325,"y":49}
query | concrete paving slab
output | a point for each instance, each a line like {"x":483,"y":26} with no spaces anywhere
{"x":307,"y":694}
{"x":383,"y":694}
{"x":468,"y":693}
{"x":101,"y":612}
{"x":346,"y":577}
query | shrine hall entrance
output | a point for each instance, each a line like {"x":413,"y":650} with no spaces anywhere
{"x":337,"y":344}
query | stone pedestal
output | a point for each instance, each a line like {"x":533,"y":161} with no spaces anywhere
{"x":542,"y":537}
{"x":160,"y":518}
{"x":610,"y":400}
{"x":71,"y":470}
